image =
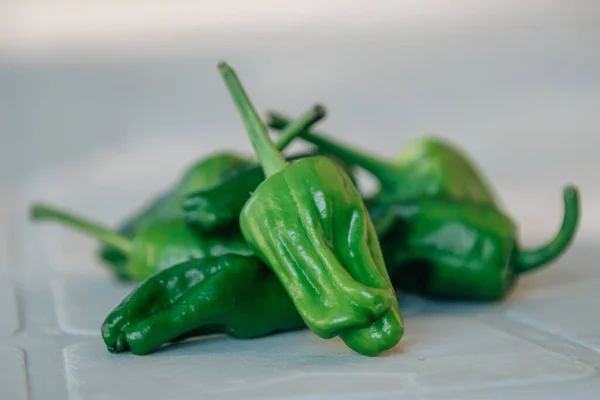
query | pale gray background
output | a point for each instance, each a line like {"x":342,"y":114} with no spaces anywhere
{"x":99,"y":109}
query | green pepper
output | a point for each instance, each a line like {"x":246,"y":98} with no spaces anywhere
{"x":232,"y":294}
{"x":427,"y":167}
{"x":158,"y":244}
{"x":457,"y":250}
{"x":204,"y":174}
{"x":308,"y":223}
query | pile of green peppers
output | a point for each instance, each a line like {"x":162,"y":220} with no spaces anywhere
{"x":248,"y":246}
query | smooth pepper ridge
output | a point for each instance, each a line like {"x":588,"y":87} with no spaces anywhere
{"x":308,"y":222}
{"x":451,"y":250}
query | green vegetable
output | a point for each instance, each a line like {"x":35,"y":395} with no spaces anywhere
{"x":204,"y":174}
{"x":308,"y":223}
{"x":427,"y":167}
{"x":463,"y":251}
{"x":158,"y":244}
{"x":232,"y":294}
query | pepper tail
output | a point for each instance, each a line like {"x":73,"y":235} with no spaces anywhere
{"x":528,"y":260}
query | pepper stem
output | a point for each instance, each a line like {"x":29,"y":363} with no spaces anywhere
{"x":528,"y":260}
{"x":40,"y":212}
{"x":379,"y":167}
{"x":270,"y":158}
{"x":300,"y":125}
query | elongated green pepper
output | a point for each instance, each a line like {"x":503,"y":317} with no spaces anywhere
{"x":308,"y":223}
{"x":445,"y":249}
{"x":158,"y":244}
{"x":232,"y":294}
{"x":427,"y":167}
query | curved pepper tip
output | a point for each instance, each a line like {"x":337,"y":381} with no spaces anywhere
{"x":320,"y":110}
{"x":383,"y":334}
{"x":528,"y":260}
{"x":571,"y":193}
{"x":37,"y":211}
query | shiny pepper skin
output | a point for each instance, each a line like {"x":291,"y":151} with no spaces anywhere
{"x":429,"y":167}
{"x":232,"y":294}
{"x":219,"y":207}
{"x":157,"y":245}
{"x":308,"y":223}
{"x":204,"y":174}
{"x":455,"y":250}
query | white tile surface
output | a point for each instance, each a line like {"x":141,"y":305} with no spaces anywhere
{"x":438,"y":355}
{"x":6,"y":210}
{"x":82,"y":303}
{"x":566,"y":313}
{"x":13,"y":380}
{"x":9,"y":314}
{"x":3,"y":248}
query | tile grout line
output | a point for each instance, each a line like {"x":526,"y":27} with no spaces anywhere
{"x":545,"y":339}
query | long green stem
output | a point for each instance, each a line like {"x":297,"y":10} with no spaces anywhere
{"x":528,"y":260}
{"x":300,"y":125}
{"x":270,"y":158}
{"x":379,"y":167}
{"x":40,"y":212}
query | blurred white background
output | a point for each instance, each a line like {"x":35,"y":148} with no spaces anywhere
{"x":516,"y":83}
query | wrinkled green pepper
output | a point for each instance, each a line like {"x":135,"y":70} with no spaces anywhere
{"x":308,"y":223}
{"x":428,"y":167}
{"x":232,"y":294}
{"x":158,"y":244}
{"x":445,"y":249}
